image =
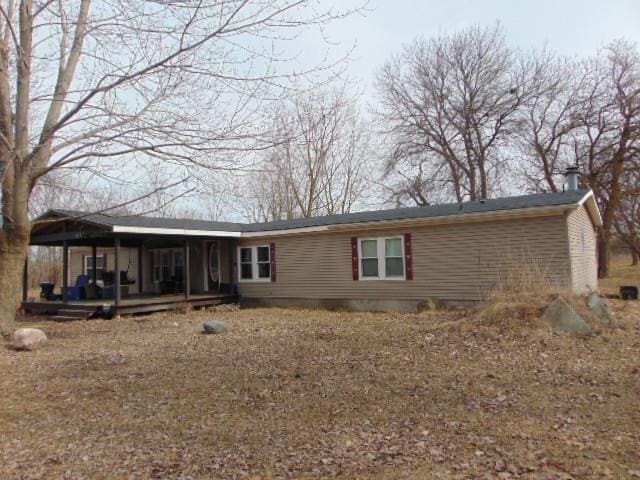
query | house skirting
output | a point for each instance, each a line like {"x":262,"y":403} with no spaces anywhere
{"x":354,"y":304}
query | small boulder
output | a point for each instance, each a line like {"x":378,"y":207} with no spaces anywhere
{"x":561,"y":317}
{"x":215,"y":326}
{"x":600,"y":308}
{"x":28,"y":339}
{"x":630,"y":292}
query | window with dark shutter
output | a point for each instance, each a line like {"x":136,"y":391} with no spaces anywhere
{"x":379,"y":258}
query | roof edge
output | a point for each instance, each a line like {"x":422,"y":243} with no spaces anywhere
{"x":589,"y":202}
{"x":64,"y":215}
{"x":380,"y":224}
{"x":176,"y":231}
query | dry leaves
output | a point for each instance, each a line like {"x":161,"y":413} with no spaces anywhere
{"x":313,"y":394}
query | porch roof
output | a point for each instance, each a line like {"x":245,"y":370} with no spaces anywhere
{"x":77,"y":228}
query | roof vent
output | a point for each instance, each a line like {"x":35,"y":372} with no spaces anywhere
{"x":573,"y":175}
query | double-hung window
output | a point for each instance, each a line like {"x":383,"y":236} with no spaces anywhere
{"x":162,"y":265}
{"x":255,"y":263}
{"x":381,"y":258}
{"x":88,"y":265}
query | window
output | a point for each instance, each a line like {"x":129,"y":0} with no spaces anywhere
{"x":88,"y":266}
{"x":246,"y":263}
{"x":255,"y":263}
{"x":163,"y":267}
{"x":369,"y":258}
{"x":381,"y":258}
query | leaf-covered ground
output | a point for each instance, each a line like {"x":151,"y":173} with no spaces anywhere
{"x":312,"y":394}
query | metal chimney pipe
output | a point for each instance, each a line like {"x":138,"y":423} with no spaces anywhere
{"x":573,"y":174}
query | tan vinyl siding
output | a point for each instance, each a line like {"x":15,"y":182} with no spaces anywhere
{"x":582,"y":250}
{"x":461,"y":261}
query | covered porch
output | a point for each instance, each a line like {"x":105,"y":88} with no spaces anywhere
{"x":117,"y":271}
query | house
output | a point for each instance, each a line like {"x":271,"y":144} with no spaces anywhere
{"x":378,"y":260}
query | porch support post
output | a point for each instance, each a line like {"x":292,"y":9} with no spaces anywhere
{"x":232,"y":278}
{"x":65,"y":271}
{"x":186,"y":281}
{"x":25,"y":280}
{"x":94,"y":274}
{"x":140,"y":283}
{"x":116,"y":273}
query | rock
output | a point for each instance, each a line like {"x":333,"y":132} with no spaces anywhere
{"x":561,"y":317}
{"x":629,"y":292}
{"x":215,"y":326}
{"x":28,"y":338}
{"x":600,"y":308}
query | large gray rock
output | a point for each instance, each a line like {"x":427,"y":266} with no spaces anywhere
{"x":28,"y":338}
{"x":215,"y":326}
{"x":600,"y":308}
{"x":561,"y":317}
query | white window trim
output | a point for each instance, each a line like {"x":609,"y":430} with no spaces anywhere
{"x":381,"y":259}
{"x":86,"y":259}
{"x":254,"y":264}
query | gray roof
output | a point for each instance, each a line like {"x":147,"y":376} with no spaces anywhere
{"x":431,"y":211}
{"x":108,"y":220}
{"x":444,"y":210}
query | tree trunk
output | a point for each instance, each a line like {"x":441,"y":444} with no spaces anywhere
{"x":634,"y":258}
{"x":604,"y":252}
{"x":14,"y":243}
{"x":13,"y":254}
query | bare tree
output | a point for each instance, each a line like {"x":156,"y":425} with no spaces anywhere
{"x":318,"y":167}
{"x":588,"y":113}
{"x":627,"y":224}
{"x":606,"y":145}
{"x":109,"y":86}
{"x":449,"y":102}
{"x":548,"y":120}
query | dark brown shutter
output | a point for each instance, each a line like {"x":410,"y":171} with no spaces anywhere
{"x":354,"y":257}
{"x":272,"y":257}
{"x":408,"y":257}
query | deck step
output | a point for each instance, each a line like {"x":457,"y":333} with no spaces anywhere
{"x":74,"y":313}
{"x":66,"y":318}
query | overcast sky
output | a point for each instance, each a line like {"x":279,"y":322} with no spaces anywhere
{"x":573,"y":27}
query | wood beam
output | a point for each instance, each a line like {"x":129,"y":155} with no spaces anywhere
{"x":58,"y":238}
{"x":94,"y":274}
{"x":186,"y":281}
{"x":65,"y":271}
{"x":116,"y":273}
{"x":140,"y":270}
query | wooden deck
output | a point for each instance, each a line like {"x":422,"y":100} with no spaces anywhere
{"x":131,"y":305}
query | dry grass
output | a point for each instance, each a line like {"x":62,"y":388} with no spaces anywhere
{"x":623,"y":273}
{"x":309,"y":394}
{"x":519,"y":299}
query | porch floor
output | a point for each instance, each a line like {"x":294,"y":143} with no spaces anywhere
{"x":140,"y":303}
